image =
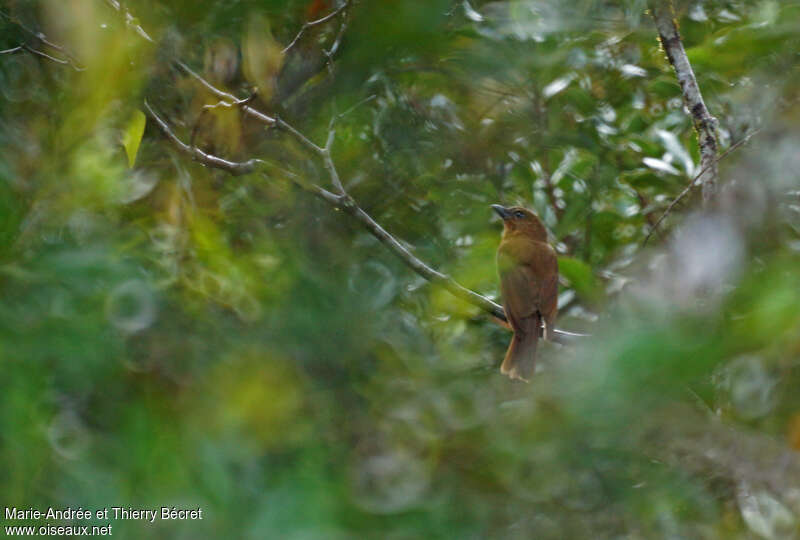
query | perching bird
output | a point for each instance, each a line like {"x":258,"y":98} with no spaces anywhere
{"x":528,"y":270}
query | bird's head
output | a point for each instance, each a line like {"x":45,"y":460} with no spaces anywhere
{"x":519,"y":220}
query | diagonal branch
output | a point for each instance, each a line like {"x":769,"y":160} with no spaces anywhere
{"x":236,"y":168}
{"x":704,"y":123}
{"x":130,"y":20}
{"x":232,"y":101}
{"x":41,"y":39}
{"x":310,"y":24}
{"x":248,"y":110}
{"x":692,"y":184}
{"x":46,"y":56}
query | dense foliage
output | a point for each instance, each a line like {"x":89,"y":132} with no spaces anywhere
{"x":174,"y":335}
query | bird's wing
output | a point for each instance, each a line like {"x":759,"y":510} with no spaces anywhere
{"x":520,"y":290}
{"x":548,"y":295}
{"x":528,"y":281}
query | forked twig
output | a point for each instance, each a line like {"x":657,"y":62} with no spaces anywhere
{"x":311,"y":24}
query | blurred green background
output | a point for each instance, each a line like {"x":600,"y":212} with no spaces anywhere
{"x":172,"y":335}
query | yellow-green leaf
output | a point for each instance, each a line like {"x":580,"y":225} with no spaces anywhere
{"x":262,"y":55}
{"x":132,"y":136}
{"x":580,"y":277}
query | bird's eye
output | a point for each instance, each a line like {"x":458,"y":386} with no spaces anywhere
{"x":519,"y":215}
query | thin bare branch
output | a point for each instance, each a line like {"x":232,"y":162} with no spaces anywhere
{"x":130,"y":20}
{"x":46,"y":56}
{"x":327,"y":159}
{"x":311,"y":24}
{"x":354,"y":107}
{"x":39,"y":36}
{"x":305,"y":141}
{"x":220,"y":104}
{"x":227,"y":105}
{"x":265,"y":119}
{"x":41,"y":39}
{"x":230,"y":98}
{"x":331,"y":136}
{"x":329,"y":52}
{"x":235,"y":168}
{"x":333,"y":173}
{"x":693,"y":183}
{"x":704,"y":123}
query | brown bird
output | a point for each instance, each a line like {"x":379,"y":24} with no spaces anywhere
{"x":528,"y":270}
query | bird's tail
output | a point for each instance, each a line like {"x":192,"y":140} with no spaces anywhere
{"x":521,"y":355}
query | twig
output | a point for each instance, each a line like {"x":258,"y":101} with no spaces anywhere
{"x":354,"y":107}
{"x":250,"y":111}
{"x":130,"y":20}
{"x":38,"y":35}
{"x":235,"y":168}
{"x":42,"y":39}
{"x":691,"y":184}
{"x":305,"y":141}
{"x":48,"y":57}
{"x":311,"y":24}
{"x":330,"y":51}
{"x":37,"y":52}
{"x":330,"y":166}
{"x":237,"y":103}
{"x":257,"y":115}
{"x":704,"y":123}
{"x":223,"y":104}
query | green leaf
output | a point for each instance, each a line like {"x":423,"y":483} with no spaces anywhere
{"x":580,"y":277}
{"x":132,"y":136}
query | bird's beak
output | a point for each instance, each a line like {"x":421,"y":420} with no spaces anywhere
{"x":501,"y":211}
